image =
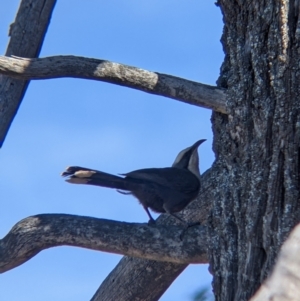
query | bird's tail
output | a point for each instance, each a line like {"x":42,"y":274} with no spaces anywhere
{"x":81,"y":175}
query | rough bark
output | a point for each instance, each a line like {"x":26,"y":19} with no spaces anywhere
{"x":152,"y":82}
{"x":257,"y":146}
{"x":284,"y":283}
{"x":136,"y":279}
{"x":26,"y":37}
{"x":36,"y":233}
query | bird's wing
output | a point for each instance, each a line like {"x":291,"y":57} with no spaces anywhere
{"x":177,"y":179}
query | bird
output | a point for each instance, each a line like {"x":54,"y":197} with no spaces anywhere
{"x":163,"y":190}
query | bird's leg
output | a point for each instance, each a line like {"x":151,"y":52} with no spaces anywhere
{"x":151,"y":219}
{"x":179,"y":218}
{"x":187,"y":225}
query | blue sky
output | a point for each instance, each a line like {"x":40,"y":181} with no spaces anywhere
{"x":64,"y":122}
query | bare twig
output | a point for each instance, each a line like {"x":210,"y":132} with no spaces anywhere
{"x":152,"y":82}
{"x":27,"y":35}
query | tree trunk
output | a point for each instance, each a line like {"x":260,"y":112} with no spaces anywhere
{"x":26,"y":38}
{"x":257,"y":147}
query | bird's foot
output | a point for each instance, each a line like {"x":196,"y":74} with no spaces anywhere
{"x":151,"y":222}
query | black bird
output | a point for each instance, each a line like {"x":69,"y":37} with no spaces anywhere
{"x":168,"y":189}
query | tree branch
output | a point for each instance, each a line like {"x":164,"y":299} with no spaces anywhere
{"x":27,"y":35}
{"x":148,"y":279}
{"x":135,"y":279}
{"x":284,"y":283}
{"x":36,"y":233}
{"x":152,"y":82}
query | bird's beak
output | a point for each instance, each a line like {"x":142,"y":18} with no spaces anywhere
{"x":196,"y":144}
{"x":194,"y":148}
{"x":183,"y":158}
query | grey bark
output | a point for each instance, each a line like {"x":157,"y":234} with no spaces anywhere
{"x":26,"y":37}
{"x":284,"y":283}
{"x":257,"y":146}
{"x":138,"y":280}
{"x":36,"y":233}
{"x":151,"y":82}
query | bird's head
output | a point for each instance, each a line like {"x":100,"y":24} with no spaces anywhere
{"x":189,"y":159}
